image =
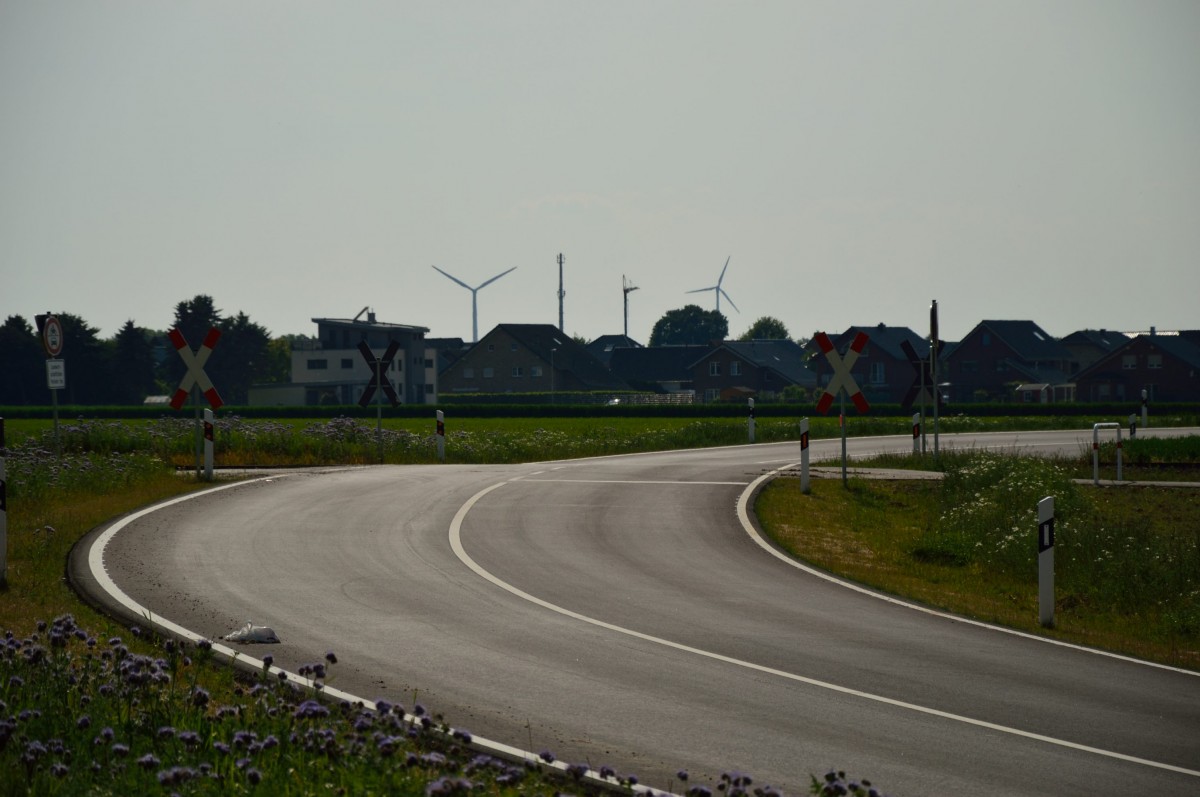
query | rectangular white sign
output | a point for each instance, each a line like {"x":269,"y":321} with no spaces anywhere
{"x":56,"y":374}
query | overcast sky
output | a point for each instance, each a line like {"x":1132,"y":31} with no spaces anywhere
{"x":1013,"y":160}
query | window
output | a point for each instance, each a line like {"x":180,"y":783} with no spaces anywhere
{"x":428,"y":389}
{"x":318,"y":365}
{"x":512,"y":347}
{"x":735,"y":368}
{"x":714,"y":368}
{"x":517,"y":371}
{"x":987,"y":339}
{"x":535,"y":370}
{"x":347,"y":363}
{"x":1129,"y":362}
{"x":1154,"y":362}
{"x":468,"y":373}
{"x":488,"y":373}
{"x":491,"y":347}
{"x":711,"y":394}
{"x":429,"y":363}
{"x":876,"y":373}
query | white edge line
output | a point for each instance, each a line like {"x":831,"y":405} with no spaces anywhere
{"x":743,"y":510}
{"x":100,"y":573}
{"x":456,"y":544}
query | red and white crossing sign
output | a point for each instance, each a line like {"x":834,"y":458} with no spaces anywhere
{"x":195,"y":368}
{"x":842,"y":379}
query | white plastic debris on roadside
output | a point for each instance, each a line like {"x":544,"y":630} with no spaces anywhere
{"x":252,"y":633}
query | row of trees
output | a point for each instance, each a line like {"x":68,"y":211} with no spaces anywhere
{"x":138,"y":362}
{"x":692,"y":325}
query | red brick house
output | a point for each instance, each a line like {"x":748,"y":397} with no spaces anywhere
{"x":998,"y":356}
{"x":1167,"y":367}
{"x":883,"y":371}
{"x":747,"y":369}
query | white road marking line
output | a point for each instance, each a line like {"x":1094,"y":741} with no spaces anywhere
{"x":631,"y":481}
{"x":457,"y":546}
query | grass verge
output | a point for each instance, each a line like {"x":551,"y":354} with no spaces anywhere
{"x":1127,"y":559}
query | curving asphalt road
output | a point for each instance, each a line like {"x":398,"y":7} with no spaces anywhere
{"x":622,"y":611}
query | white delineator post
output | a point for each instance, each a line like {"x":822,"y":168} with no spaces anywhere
{"x":441,"y":436}
{"x":750,"y":421}
{"x":3,"y":509}
{"x":208,"y":445}
{"x":1096,"y":450}
{"x":916,"y":432}
{"x":805,"y":487}
{"x":1046,"y":561}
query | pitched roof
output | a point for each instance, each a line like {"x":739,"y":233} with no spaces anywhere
{"x":783,"y":356}
{"x":553,"y":346}
{"x":1029,"y":341}
{"x":889,"y":339}
{"x":1104,"y":339}
{"x":656,"y":363}
{"x":602,"y":347}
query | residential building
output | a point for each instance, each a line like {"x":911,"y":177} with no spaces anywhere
{"x":1089,"y":345}
{"x":731,"y":369}
{"x":1003,"y":360}
{"x":882,"y":371}
{"x":1166,"y":366}
{"x":602,"y":348}
{"x":528,"y":358}
{"x":662,"y":369}
{"x":331,"y":369}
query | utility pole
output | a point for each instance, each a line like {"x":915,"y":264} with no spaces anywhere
{"x":561,"y":293}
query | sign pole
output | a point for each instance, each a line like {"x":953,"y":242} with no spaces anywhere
{"x":804,"y":479}
{"x":54,"y":403}
{"x":379,"y":408}
{"x":1045,"y":510}
{"x":750,"y":422}
{"x":842,"y":421}
{"x":199,"y":429}
{"x":933,"y":370}
{"x":3,"y":510}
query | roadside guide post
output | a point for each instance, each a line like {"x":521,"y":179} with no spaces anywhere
{"x":1145,"y":410}
{"x":208,"y":444}
{"x":750,"y":421}
{"x":804,"y":483}
{"x":916,"y":423}
{"x":1132,"y":425}
{"x":1045,"y":510}
{"x":441,"y":436}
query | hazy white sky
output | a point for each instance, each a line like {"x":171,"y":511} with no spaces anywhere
{"x":1014,"y":160}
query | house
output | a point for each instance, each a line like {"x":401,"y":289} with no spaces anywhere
{"x":997,"y":357}
{"x":883,"y":370}
{"x":1166,"y":366}
{"x":731,"y":369}
{"x":602,"y":348}
{"x":331,"y":368}
{"x":1089,"y":345}
{"x":662,"y":369}
{"x":528,"y":358}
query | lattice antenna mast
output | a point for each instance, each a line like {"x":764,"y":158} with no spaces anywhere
{"x":561,"y":293}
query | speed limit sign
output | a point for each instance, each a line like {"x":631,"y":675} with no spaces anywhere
{"x":52,"y":336}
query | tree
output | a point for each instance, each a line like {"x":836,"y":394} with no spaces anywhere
{"x":242,"y":358}
{"x":87,"y":363}
{"x":689,"y":324}
{"x":132,"y":365}
{"x":766,"y":328}
{"x":21,"y":362}
{"x":193,"y":318}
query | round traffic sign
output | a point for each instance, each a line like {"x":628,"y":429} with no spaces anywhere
{"x":52,"y":336}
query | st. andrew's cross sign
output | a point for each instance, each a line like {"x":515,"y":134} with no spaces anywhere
{"x":379,"y":369}
{"x":195,"y":368}
{"x":922,"y":387}
{"x":842,"y":378}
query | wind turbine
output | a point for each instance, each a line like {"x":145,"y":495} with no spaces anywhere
{"x":474,"y":291}
{"x":718,"y":290}
{"x":627,"y":288}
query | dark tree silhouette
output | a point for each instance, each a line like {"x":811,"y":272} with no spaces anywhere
{"x":689,"y":324}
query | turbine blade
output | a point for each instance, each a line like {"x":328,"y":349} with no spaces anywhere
{"x":498,"y":276}
{"x":722,"y":277}
{"x":456,"y":279}
{"x":702,"y":290}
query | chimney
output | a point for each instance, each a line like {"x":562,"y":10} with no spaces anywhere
{"x":370,"y":316}
{"x":1153,"y":331}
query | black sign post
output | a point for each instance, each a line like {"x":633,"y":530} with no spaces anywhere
{"x":380,"y":382}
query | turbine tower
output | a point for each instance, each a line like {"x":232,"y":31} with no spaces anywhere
{"x":718,"y":290}
{"x":474,"y":291}
{"x":627,"y":288}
